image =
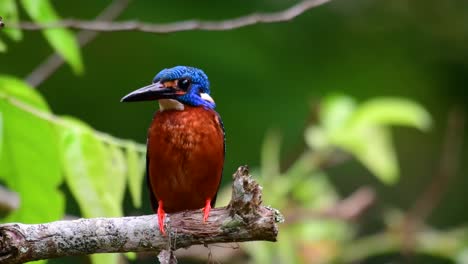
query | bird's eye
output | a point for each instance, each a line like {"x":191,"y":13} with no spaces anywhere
{"x":183,"y":84}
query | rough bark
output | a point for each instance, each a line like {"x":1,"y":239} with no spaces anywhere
{"x":244,"y":219}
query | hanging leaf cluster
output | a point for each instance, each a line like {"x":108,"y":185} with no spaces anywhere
{"x":40,"y":151}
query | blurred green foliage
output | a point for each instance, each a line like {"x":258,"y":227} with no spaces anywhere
{"x":361,"y":130}
{"x":46,"y":150}
{"x":24,"y":167}
{"x":61,"y":40}
{"x":387,"y":54}
{"x":42,"y":11}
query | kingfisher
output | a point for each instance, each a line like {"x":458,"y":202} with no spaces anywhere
{"x":185,"y":144}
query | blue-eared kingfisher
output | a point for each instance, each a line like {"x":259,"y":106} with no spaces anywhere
{"x":186,"y":142}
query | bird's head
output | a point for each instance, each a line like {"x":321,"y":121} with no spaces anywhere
{"x":175,"y":87}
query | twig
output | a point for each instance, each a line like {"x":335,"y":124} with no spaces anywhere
{"x":54,"y":61}
{"x":9,"y":201}
{"x":167,"y":257}
{"x":348,"y":209}
{"x":449,"y":163}
{"x":244,"y":219}
{"x":229,"y":24}
{"x":353,"y":206}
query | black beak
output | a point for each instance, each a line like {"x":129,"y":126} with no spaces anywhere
{"x":153,"y":91}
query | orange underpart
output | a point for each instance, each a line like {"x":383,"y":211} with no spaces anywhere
{"x":161,"y":216}
{"x":206,"y":210}
{"x":192,"y":137}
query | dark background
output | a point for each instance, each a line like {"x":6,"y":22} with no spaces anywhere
{"x":269,"y":76}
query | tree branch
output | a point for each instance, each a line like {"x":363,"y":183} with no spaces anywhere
{"x":229,"y":24}
{"x":54,"y":61}
{"x":244,"y":219}
{"x":447,"y":169}
{"x":348,"y":209}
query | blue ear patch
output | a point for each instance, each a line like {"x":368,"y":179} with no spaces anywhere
{"x":195,"y":75}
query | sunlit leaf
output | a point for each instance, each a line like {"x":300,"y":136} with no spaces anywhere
{"x":62,"y":40}
{"x":285,"y":251}
{"x":313,"y":229}
{"x":9,"y":13}
{"x":30,"y":157}
{"x":131,"y":255}
{"x":117,"y":177}
{"x":316,"y":138}
{"x":462,"y":256}
{"x":391,"y":111}
{"x":315,"y":192}
{"x":1,"y":135}
{"x":136,"y":172}
{"x":87,"y":166}
{"x":373,"y":147}
{"x":95,"y":174}
{"x":320,"y":239}
{"x":260,"y":252}
{"x":364,"y":130}
{"x":105,"y":258}
{"x":335,"y":111}
{"x":3,"y":46}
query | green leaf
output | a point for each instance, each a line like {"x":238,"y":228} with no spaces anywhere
{"x":62,"y":40}
{"x":87,"y":165}
{"x":363,"y":130}
{"x":111,"y":258}
{"x":316,"y":138}
{"x":462,"y":256}
{"x":390,"y":111}
{"x":373,"y":147}
{"x":1,"y":134}
{"x":321,"y":230}
{"x":335,"y":111}
{"x":9,"y":12}
{"x":131,"y":255}
{"x":286,"y":251}
{"x":136,"y":172}
{"x":117,"y":177}
{"x":315,"y":192}
{"x":95,"y":174}
{"x":30,"y":155}
{"x":260,"y":252}
{"x":88,"y":170}
{"x":21,"y":91}
{"x":3,"y":46}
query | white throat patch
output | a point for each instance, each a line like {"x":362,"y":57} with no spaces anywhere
{"x":207,"y":97}
{"x":170,"y":104}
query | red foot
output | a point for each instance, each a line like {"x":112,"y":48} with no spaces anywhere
{"x":206,"y":210}
{"x":161,"y":216}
